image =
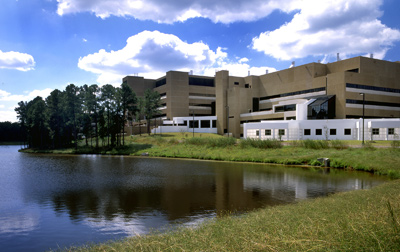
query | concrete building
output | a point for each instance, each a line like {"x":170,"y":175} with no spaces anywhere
{"x":313,"y":91}
{"x":182,"y":94}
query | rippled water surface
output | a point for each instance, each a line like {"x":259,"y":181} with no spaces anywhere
{"x":55,"y":201}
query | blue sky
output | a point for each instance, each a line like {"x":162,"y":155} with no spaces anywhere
{"x":48,"y":44}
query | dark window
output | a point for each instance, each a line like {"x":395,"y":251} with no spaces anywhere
{"x":257,"y":133}
{"x":332,"y":132}
{"x":347,"y":132}
{"x":183,"y":124}
{"x":392,"y":90}
{"x":196,"y":81}
{"x":246,"y":85}
{"x":256,"y":104}
{"x":290,"y":107}
{"x":163,"y":94}
{"x":196,"y":124}
{"x":205,"y":123}
{"x":281,"y":132}
{"x":267,"y":132}
{"x":355,"y":70}
{"x":307,"y":132}
{"x":161,"y":82}
{"x":204,"y":95}
{"x":375,"y":131}
{"x":375,"y":103}
{"x":214,"y":123}
{"x":236,"y":83}
{"x":293,"y":93}
{"x":322,"y":108}
{"x":391,"y":131}
{"x":318,"y":132}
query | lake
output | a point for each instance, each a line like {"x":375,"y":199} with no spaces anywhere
{"x":55,"y":201}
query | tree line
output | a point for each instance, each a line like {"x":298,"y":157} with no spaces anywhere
{"x":10,"y":132}
{"x":89,"y":112}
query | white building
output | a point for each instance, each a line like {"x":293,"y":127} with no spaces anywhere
{"x":342,"y":129}
{"x":197,"y":124}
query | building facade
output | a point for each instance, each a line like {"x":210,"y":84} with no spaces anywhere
{"x":315,"y":91}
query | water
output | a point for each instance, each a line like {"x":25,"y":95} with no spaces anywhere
{"x":55,"y":201}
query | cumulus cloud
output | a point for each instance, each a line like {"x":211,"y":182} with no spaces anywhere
{"x":8,"y":97}
{"x":330,"y":27}
{"x":152,"y":53}
{"x":169,"y":11}
{"x":9,"y":101}
{"x":16,"y":60}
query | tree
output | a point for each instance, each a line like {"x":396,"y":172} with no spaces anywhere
{"x":73,"y":110}
{"x":128,"y":105}
{"x":140,"y":112}
{"x":108,"y":101}
{"x":22,"y":116}
{"x":151,"y":104}
{"x":55,"y":119}
{"x":37,"y":122}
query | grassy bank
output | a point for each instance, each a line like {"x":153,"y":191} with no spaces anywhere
{"x":365,"y":220}
{"x":377,"y":157}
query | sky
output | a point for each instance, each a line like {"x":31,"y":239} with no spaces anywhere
{"x":48,"y":44}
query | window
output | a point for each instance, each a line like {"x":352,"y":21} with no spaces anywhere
{"x":247,"y":86}
{"x":375,"y":131}
{"x":281,"y":132}
{"x":307,"y":132}
{"x":214,"y":123}
{"x":347,"y":132}
{"x":391,"y":131}
{"x":197,"y":81}
{"x":332,"y":132}
{"x":257,"y":132}
{"x":205,"y":123}
{"x":196,"y":124}
{"x":267,"y":132}
{"x":318,"y":132}
{"x":236,"y":83}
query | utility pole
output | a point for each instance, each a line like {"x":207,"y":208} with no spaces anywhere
{"x":363,"y":95}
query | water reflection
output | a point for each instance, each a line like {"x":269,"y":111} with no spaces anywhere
{"x":63,"y":200}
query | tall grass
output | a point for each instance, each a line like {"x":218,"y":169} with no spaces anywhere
{"x":261,"y":144}
{"x":320,"y":144}
{"x":212,"y":142}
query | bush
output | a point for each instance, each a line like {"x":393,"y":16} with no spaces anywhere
{"x":261,"y":144}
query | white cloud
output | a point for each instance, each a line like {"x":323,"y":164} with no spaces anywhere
{"x":330,"y":27}
{"x":16,"y":60}
{"x":8,"y":97}
{"x":169,"y":11}
{"x":8,"y":115}
{"x":151,"y":54}
{"x":8,"y":102}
